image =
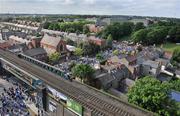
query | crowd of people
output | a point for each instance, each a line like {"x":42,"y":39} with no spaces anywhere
{"x":13,"y":102}
{"x":14,"y":99}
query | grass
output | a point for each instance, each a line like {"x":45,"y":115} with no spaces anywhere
{"x":170,"y":47}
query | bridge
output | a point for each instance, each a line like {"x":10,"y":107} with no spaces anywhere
{"x":93,"y":102}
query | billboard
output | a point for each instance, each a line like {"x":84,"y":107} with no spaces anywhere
{"x":75,"y":107}
{"x":57,"y":94}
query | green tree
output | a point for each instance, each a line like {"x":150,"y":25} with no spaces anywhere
{"x":127,"y":28}
{"x":87,"y":48}
{"x":86,"y":29}
{"x":151,"y":94}
{"x":54,"y":57}
{"x":175,"y":60}
{"x":149,"y":36}
{"x":118,"y":30}
{"x":174,"y":34}
{"x":109,"y":41}
{"x":78,"y":52}
{"x":46,"y":25}
{"x":139,"y":26}
{"x":116,"y":52}
{"x":175,"y":85}
{"x":99,"y":57}
{"x":140,"y":36}
{"x":71,"y":65}
{"x":84,"y":72}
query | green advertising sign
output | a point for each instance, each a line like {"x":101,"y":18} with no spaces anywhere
{"x":74,"y":106}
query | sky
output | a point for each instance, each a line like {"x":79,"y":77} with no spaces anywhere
{"x":165,"y":8}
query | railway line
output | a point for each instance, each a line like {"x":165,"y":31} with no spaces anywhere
{"x":97,"y":103}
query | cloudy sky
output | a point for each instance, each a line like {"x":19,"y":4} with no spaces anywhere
{"x":170,"y":8}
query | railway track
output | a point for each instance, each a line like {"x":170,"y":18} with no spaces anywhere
{"x":98,"y":106}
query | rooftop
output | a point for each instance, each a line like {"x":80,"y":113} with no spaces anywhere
{"x":50,"y":40}
{"x":151,"y":63}
{"x":35,"y":51}
{"x":131,"y":58}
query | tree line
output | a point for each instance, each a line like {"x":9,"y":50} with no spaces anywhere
{"x":117,"y":30}
{"x":158,"y":33}
{"x":155,"y":33}
{"x":71,"y":27}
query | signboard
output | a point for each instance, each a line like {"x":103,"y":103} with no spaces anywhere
{"x":75,"y":107}
{"x":57,"y":94}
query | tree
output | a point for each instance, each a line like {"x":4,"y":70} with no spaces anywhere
{"x":157,"y":35}
{"x":71,"y":65}
{"x":99,"y":57}
{"x":139,"y":26}
{"x":86,"y":29}
{"x":72,"y":27}
{"x":175,"y":60}
{"x":109,"y":41}
{"x":87,"y":49}
{"x":90,"y":48}
{"x":175,"y":85}
{"x":174,"y":34}
{"x":127,"y":28}
{"x":151,"y":94}
{"x":84,"y":72}
{"x":149,"y":36}
{"x":116,"y":52}
{"x":60,"y":20}
{"x":78,"y":52}
{"x":118,"y":30}
{"x":54,"y":57}
{"x":140,"y":36}
{"x":46,"y":25}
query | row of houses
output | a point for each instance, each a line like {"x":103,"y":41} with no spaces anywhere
{"x":28,"y":23}
{"x":49,"y":43}
{"x":120,"y":71}
{"x":76,"y":37}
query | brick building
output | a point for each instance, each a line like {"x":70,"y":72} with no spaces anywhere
{"x":97,"y":41}
{"x":53,"y":44}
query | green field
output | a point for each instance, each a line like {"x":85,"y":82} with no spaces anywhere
{"x":170,"y":47}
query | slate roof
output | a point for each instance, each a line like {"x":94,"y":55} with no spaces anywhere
{"x":35,"y":52}
{"x":19,"y":39}
{"x":131,"y":58}
{"x":151,"y":63}
{"x":50,"y":40}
